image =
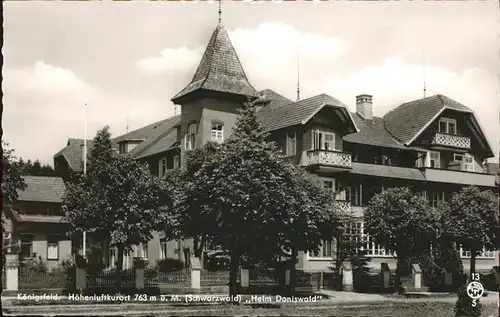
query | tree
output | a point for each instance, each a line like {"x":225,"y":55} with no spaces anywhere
{"x":247,"y":187}
{"x":118,"y":201}
{"x":12,"y":183}
{"x":188,"y":217}
{"x":36,"y":168}
{"x":471,"y":219}
{"x":401,"y":222}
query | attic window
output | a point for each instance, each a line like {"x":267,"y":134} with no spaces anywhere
{"x":448,"y":126}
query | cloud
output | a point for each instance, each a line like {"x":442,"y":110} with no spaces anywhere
{"x":269,"y":55}
{"x":171,"y":59}
{"x":270,"y":47}
{"x":44,"y":105}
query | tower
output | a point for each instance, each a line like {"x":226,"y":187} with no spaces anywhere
{"x":211,"y":100}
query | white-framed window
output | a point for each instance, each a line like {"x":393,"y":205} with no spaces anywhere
{"x":190,"y":137}
{"x":325,"y":250}
{"x":126,"y":260}
{"x":355,"y":233}
{"x":322,"y":140}
{"x":329,"y":185}
{"x":163,"y":248}
{"x":26,"y":245}
{"x":217,"y":132}
{"x":435,"y":198}
{"x":434,"y":159}
{"x":448,"y":126}
{"x":352,"y":195}
{"x":177,"y":161}
{"x":489,"y":254}
{"x":162,"y":167}
{"x":291,"y":144}
{"x":52,"y":248}
{"x":466,"y":160}
{"x":112,"y":257}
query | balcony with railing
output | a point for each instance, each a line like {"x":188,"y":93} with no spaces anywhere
{"x":328,"y":158}
{"x":451,"y":140}
{"x":343,"y":206}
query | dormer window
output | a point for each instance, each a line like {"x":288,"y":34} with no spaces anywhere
{"x":448,"y":126}
{"x":323,"y":140}
{"x":190,"y":136}
{"x":217,"y":132}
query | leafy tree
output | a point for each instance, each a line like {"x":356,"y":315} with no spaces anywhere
{"x":118,"y":201}
{"x":12,"y":183}
{"x":247,"y":187}
{"x":471,"y":219}
{"x":401,"y":222}
{"x":188,"y":217}
{"x":36,"y":168}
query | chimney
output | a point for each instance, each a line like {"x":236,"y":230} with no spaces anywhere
{"x":364,"y":105}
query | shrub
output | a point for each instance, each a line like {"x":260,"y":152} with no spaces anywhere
{"x":35,"y":265}
{"x":463,"y":306}
{"x":169,"y":265}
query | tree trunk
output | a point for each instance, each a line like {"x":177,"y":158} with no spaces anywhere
{"x":235,"y":263}
{"x":119,"y":269}
{"x":293,"y":271}
{"x":472,"y":261}
{"x":399,"y":271}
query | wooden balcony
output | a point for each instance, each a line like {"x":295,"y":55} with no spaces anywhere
{"x":451,"y":140}
{"x":333,"y":160}
{"x":343,"y":206}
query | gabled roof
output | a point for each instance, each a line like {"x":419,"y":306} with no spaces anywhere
{"x":150,"y":134}
{"x":219,"y":70}
{"x":294,"y":113}
{"x":373,"y":132}
{"x":408,"y":120}
{"x":271,"y":95}
{"x":72,"y":153}
{"x":42,"y":189}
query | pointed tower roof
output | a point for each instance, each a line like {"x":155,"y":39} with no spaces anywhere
{"x":220,"y":70}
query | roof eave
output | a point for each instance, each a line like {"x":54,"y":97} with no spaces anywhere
{"x":344,"y":108}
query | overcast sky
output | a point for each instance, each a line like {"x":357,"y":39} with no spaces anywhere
{"x":128,"y":59}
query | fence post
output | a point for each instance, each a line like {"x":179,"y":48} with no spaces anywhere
{"x":321,"y":280}
{"x":287,"y":277}
{"x":195,"y":273}
{"x":417,"y":276}
{"x":139,"y":265}
{"x":385,"y":271}
{"x":81,"y":273}
{"x":244,"y":277}
{"x":11,"y":272}
{"x":347,"y":277}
